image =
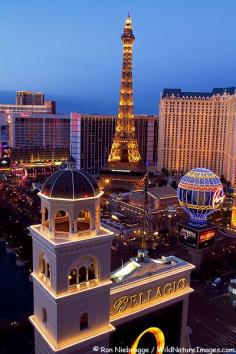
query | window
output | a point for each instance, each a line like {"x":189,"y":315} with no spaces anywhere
{"x":48,"y":273}
{"x":62,"y":221}
{"x":45,"y":217}
{"x":44,"y":315}
{"x":91,"y":272}
{"x":44,"y":268}
{"x":73,"y":277}
{"x":83,"y":222}
{"x":84,"y":321}
{"x":82,"y":274}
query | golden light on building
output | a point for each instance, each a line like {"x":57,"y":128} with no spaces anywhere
{"x":233,"y":215}
{"x":125,"y":146}
{"x":158,"y":335}
{"x":196,"y":129}
{"x":124,"y":157}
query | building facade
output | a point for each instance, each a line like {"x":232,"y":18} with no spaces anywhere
{"x":9,"y":108}
{"x":45,"y":138}
{"x":79,"y":304}
{"x":29,"y":98}
{"x":233,"y":214}
{"x":92,"y":135}
{"x":162,"y":211}
{"x":38,"y":138}
{"x":31,"y":102}
{"x":198,"y":129}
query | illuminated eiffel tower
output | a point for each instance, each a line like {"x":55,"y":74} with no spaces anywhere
{"x":124,"y":168}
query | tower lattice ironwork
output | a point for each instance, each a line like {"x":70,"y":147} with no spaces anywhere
{"x":124,"y":167}
{"x":125,"y":146}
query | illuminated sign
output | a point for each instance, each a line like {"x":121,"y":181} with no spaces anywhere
{"x":151,"y":332}
{"x":197,"y":237}
{"x":218,"y":197}
{"x":126,"y":171}
{"x":158,"y":335}
{"x":25,"y":115}
{"x":127,"y":302}
{"x":188,"y":237}
{"x":206,"y":235}
{"x":233,"y":217}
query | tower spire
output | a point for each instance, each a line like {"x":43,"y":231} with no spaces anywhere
{"x":124,"y":168}
{"x":125,"y":147}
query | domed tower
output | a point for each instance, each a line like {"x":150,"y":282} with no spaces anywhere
{"x":71,"y":266}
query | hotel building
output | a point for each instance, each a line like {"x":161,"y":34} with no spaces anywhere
{"x":31,"y":102}
{"x":162,"y":210}
{"x":29,"y":98}
{"x":198,"y":129}
{"x":78,"y":302}
{"x":92,"y":135}
{"x":36,"y":138}
{"x":9,"y":108}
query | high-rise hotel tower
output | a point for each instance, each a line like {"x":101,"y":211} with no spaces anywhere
{"x":124,"y":166}
{"x":198,"y":129}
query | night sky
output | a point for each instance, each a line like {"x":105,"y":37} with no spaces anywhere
{"x":71,"y":49}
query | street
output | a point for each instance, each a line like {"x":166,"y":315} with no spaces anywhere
{"x":211,"y":319}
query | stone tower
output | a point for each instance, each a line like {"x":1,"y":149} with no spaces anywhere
{"x":71,"y":266}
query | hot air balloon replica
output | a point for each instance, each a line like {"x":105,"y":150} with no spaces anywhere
{"x":200,"y":193}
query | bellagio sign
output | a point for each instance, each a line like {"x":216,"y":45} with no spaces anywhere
{"x":149,"y":296}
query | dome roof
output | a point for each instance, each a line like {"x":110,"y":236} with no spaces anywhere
{"x":70,"y":183}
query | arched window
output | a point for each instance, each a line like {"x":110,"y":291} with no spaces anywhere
{"x":97,"y":214}
{"x":83,"y":222}
{"x":73,"y":277}
{"x":84,"y":271}
{"x":91,"y":272}
{"x":44,"y":315}
{"x":45,"y":217}
{"x":84,"y":321}
{"x":82,"y":274}
{"x":62,"y":221}
{"x":43,"y":266}
{"x":48,"y":273}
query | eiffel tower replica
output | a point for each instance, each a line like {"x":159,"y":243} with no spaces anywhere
{"x":124,"y":169}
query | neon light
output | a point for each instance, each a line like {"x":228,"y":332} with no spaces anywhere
{"x":159,"y":336}
{"x":200,"y":193}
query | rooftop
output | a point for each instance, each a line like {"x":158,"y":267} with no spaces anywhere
{"x":70,"y":183}
{"x":215,"y":91}
{"x":156,"y":192}
{"x":135,"y":269}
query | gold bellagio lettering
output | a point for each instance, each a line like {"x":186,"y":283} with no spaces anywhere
{"x":168,"y":289}
{"x":158,"y":293}
{"x":133,"y":300}
{"x":142,"y":300}
{"x":182,"y":283}
{"x":149,"y":295}
{"x":121,"y":304}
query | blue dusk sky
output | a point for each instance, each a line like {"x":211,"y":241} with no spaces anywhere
{"x":71,"y":49}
